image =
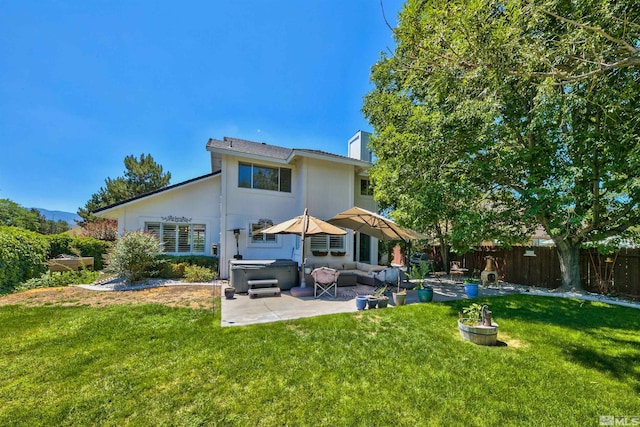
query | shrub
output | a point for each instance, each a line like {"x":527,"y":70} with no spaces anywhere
{"x":102,"y":229}
{"x":135,"y":256}
{"x":22,"y":256}
{"x":59,"y":244}
{"x":195,"y":273}
{"x":52,"y":280}
{"x":88,"y":246}
{"x":169,"y":270}
{"x":200,"y":260}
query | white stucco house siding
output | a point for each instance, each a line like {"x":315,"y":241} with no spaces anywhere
{"x":224,"y":200}
{"x":197,"y":200}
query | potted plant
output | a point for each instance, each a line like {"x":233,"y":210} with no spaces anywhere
{"x":372,"y":301}
{"x":361,"y":302}
{"x":471,"y":287}
{"x":383,"y":300}
{"x":476,"y":325}
{"x":229,"y":292}
{"x":418,"y":275}
{"x":400,"y":295}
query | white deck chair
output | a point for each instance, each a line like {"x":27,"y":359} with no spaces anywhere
{"x":325,"y":279}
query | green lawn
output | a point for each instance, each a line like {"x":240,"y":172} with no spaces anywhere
{"x":565,"y":362}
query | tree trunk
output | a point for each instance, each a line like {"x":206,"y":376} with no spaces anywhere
{"x":444,"y":252}
{"x":569,"y":256}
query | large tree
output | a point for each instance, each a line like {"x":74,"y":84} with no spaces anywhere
{"x":529,"y":107}
{"x":141,"y":176}
{"x":14,"y":215}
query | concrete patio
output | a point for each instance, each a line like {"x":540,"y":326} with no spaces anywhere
{"x":242,"y":310}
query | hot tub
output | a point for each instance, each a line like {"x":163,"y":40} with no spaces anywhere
{"x":284,"y":270}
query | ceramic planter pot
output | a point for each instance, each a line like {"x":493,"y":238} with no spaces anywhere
{"x":471,"y":289}
{"x":426,"y":294}
{"x":399,"y":298}
{"x":361,"y":302}
{"x":372,"y":302}
{"x":229,"y":293}
{"x":383,"y":302}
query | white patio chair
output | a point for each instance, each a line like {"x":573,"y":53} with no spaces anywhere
{"x":325,"y":279}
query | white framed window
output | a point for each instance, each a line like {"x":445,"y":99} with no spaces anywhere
{"x":264,"y":177}
{"x":318,"y":243}
{"x":262,"y":238}
{"x":322,"y":243}
{"x":366,"y":189}
{"x":179,"y":238}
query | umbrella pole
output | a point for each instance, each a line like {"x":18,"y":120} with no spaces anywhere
{"x":305,"y":224}
{"x":303,"y":284}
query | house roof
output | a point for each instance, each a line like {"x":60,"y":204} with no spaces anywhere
{"x":242,"y":146}
{"x":151,"y":193}
{"x":245,"y":148}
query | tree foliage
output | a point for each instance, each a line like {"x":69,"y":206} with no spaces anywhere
{"x":50,"y":226}
{"x":22,"y":256}
{"x":514,"y":114}
{"x":141,"y":176}
{"x":12,"y":214}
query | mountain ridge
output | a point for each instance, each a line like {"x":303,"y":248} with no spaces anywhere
{"x":68,"y":217}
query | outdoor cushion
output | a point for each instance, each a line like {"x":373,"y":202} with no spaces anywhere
{"x":389,"y":275}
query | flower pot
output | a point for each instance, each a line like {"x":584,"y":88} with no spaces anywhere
{"x":471,"y":289}
{"x":399,"y":298}
{"x":372,"y":302}
{"x":229,"y":293}
{"x":425,"y":295}
{"x":478,"y":334}
{"x":361,"y":302}
{"x":383,"y":302}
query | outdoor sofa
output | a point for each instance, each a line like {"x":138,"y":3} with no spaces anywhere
{"x":351,"y":273}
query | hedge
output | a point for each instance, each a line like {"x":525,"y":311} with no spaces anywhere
{"x":199,"y":260}
{"x":23,"y":254}
{"x":84,"y":246}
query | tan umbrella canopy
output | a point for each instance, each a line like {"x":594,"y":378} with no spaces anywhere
{"x":374,"y":225}
{"x":302,"y":225}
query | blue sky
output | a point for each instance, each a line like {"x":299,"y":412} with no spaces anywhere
{"x":85,"y":83}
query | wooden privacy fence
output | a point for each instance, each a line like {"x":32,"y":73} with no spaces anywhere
{"x":543,"y":270}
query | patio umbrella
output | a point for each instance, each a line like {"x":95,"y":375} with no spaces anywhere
{"x":302,"y":225}
{"x":372,"y":224}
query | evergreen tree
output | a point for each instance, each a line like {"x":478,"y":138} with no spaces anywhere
{"x":141,"y":176}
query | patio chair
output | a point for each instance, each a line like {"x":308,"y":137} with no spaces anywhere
{"x":456,"y":270}
{"x":325,"y":279}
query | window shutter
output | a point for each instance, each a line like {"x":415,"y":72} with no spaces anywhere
{"x":198,"y":237}
{"x":336,"y":243}
{"x":318,"y":243}
{"x":169,"y":237}
{"x":184,"y":243}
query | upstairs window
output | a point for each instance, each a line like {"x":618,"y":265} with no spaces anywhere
{"x":366,"y":189}
{"x":264,"y":177}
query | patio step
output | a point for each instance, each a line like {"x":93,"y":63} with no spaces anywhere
{"x":264,"y":287}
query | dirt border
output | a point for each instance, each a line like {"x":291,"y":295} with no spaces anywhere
{"x":184,"y":295}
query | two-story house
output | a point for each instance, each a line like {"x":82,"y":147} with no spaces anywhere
{"x":253,"y":185}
